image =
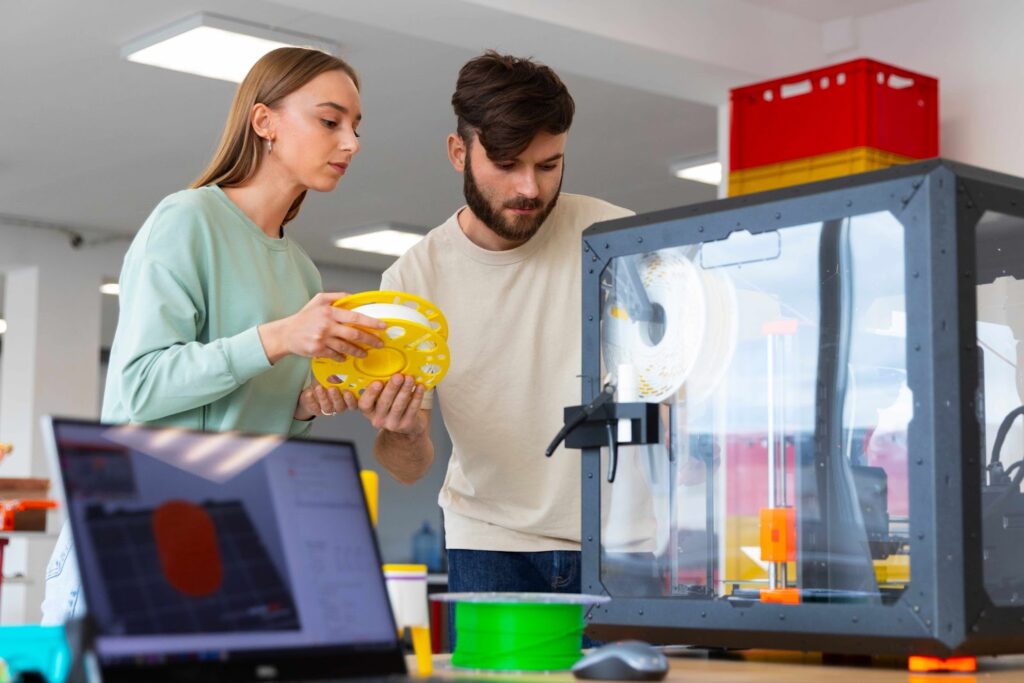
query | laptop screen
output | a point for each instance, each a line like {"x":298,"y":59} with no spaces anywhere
{"x":218,"y":546}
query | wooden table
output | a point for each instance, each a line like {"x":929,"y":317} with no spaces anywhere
{"x":755,"y":666}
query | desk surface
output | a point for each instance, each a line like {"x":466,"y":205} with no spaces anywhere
{"x":776,"y":666}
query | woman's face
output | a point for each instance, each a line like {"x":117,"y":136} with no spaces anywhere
{"x":314,"y":132}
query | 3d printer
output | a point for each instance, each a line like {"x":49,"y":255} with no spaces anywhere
{"x":799,"y":430}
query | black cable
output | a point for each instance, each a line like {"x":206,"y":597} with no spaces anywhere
{"x":993,"y":506}
{"x":1012,"y":467}
{"x":613,"y":450}
{"x":1004,"y":430}
{"x":997,"y":475}
{"x":606,"y":395}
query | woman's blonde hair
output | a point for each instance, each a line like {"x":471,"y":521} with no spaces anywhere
{"x":277,"y":74}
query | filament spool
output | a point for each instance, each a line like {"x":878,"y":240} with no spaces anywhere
{"x":415,"y":343}
{"x":662,"y":352}
{"x":518,"y":631}
{"x":720,"y":335}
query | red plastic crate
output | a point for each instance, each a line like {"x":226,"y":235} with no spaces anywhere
{"x":861,"y":103}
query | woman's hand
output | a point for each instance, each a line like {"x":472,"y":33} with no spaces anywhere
{"x":320,"y":329}
{"x":316,"y":400}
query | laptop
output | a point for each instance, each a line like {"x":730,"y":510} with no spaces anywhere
{"x":224,"y":557}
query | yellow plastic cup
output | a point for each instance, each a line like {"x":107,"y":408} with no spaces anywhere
{"x":371,"y":488}
{"x":407,"y":592}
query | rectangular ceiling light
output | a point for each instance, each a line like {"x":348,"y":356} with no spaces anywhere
{"x":388,"y":239}
{"x":3,"y":325}
{"x":111,"y":288}
{"x":215,"y":47}
{"x":700,"y":170}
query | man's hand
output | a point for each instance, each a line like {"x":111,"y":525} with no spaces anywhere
{"x":393,"y":406}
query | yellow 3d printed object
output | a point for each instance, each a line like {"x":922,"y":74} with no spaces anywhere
{"x":415,"y":343}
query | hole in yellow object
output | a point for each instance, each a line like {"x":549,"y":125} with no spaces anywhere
{"x":427,"y":346}
{"x":395,"y":332}
{"x":430,"y":369}
{"x":381,"y":362}
{"x":337,"y":379}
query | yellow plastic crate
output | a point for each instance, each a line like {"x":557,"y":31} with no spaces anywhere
{"x":809,"y":169}
{"x":894,"y":571}
{"x":742,"y":546}
{"x":743,"y":550}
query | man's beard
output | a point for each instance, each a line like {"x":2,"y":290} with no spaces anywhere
{"x":519,"y":228}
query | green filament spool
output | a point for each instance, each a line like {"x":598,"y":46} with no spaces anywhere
{"x":518,"y":631}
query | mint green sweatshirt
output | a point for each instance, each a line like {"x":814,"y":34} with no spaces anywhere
{"x":197,"y":280}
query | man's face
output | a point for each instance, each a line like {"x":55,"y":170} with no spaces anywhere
{"x":512,"y":197}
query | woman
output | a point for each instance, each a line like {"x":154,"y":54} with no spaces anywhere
{"x":220,"y":310}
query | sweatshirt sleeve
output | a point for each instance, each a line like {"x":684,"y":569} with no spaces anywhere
{"x":300,"y":429}
{"x":164,"y":369}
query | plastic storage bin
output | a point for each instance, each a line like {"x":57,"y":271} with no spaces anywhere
{"x":36,"y":648}
{"x":810,"y":169}
{"x":856,"y":104}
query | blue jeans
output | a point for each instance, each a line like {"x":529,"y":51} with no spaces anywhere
{"x":553,"y":571}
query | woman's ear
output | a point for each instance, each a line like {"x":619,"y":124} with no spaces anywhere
{"x":263,"y":121}
{"x":457,"y":152}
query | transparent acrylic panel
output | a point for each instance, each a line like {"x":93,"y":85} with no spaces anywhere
{"x":779,"y":361}
{"x":999,"y":248}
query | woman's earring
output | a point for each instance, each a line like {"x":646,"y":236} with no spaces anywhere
{"x":270,"y":146}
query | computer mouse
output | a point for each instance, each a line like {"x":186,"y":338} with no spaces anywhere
{"x":626,"y":660}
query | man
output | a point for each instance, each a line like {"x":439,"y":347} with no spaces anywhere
{"x":505,"y":269}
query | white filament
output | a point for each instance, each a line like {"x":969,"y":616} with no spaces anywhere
{"x":393,"y":312}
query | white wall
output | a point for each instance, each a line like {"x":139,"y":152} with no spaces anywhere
{"x":50,"y":363}
{"x":975,"y":50}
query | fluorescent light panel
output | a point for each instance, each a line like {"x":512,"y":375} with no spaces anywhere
{"x":3,"y":325}
{"x":214,"y":46}
{"x":710,"y":173}
{"x":111,"y":288}
{"x":387,"y":241}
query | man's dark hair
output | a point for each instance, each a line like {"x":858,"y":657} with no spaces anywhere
{"x":507,"y":100}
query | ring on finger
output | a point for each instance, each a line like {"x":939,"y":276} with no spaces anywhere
{"x":328,"y":414}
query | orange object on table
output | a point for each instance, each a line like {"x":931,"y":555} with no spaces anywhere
{"x":9,"y":508}
{"x":919,"y":664}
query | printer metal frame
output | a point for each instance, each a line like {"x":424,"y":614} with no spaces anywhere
{"x":945,"y":611}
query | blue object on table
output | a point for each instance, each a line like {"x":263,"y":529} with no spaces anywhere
{"x":426,"y":548}
{"x":36,"y":648}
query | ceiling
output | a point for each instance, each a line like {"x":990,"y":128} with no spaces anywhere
{"x":830,"y":10}
{"x":93,"y":142}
